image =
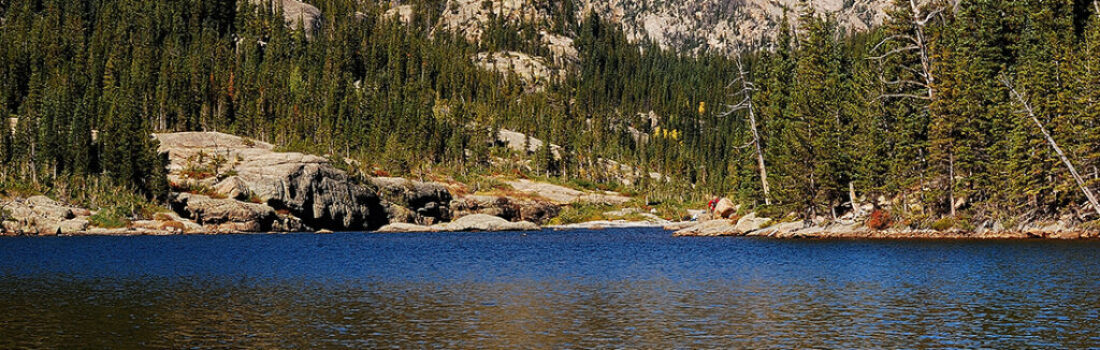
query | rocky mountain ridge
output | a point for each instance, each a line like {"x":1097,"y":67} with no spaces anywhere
{"x":720,"y":26}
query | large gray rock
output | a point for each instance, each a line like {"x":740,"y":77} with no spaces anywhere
{"x":224,"y":214}
{"x":428,"y":202}
{"x":470,"y":223}
{"x":73,"y":226}
{"x":723,"y":227}
{"x":233,"y":187}
{"x":401,"y":227}
{"x":481,"y":222}
{"x":306,"y":186}
{"x":750,"y":223}
{"x":298,"y":15}
{"x":511,"y":209}
{"x":324,"y":197}
{"x":725,"y":208}
{"x":710,"y":228}
{"x":40,"y":215}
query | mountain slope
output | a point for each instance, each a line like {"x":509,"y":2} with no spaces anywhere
{"x":688,"y":25}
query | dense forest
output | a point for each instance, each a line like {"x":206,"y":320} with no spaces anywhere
{"x":940,"y":108}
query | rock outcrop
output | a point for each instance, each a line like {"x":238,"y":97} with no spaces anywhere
{"x":481,"y":222}
{"x":40,"y":215}
{"x":298,"y":15}
{"x":720,"y":26}
{"x":470,"y":223}
{"x":532,"y":70}
{"x":511,"y":209}
{"x":224,"y":215}
{"x":520,"y":142}
{"x":308,"y":187}
{"x":414,"y":201}
{"x":565,"y":195}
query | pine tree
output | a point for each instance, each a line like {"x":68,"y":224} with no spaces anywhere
{"x":815,"y":124}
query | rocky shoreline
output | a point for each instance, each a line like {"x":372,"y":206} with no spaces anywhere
{"x":728,"y":224}
{"x":224,"y":184}
{"x":847,"y":231}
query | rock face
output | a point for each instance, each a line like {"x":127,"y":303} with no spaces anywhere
{"x":532,"y":70}
{"x":470,"y":223}
{"x":722,"y":25}
{"x":298,"y":15}
{"x":522,"y":143}
{"x":414,"y":201}
{"x":690,"y":25}
{"x":306,"y":186}
{"x":40,"y":215}
{"x":564,"y":195}
{"x":511,"y":209}
{"x":224,"y":215}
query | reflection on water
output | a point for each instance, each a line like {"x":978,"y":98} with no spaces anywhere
{"x":582,"y":289}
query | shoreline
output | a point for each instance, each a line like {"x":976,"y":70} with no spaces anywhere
{"x":679,"y":229}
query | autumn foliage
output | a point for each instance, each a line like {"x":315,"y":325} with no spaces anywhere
{"x":880,"y":220}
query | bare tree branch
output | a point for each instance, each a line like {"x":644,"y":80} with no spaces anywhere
{"x":895,"y":51}
{"x":912,"y":96}
{"x":892,"y":38}
{"x":904,"y":82}
{"x":747,"y":88}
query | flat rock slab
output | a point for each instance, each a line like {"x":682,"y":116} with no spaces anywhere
{"x":565,"y":195}
{"x":610,"y":224}
{"x":469,"y":223}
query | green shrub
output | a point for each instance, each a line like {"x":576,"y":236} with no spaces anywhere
{"x":1090,"y":226}
{"x":111,"y":217}
{"x":198,"y":189}
{"x":581,"y":212}
{"x":944,"y":224}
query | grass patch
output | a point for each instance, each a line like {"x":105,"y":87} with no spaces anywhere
{"x":944,"y":224}
{"x":197,"y":189}
{"x":112,"y":217}
{"x":582,"y":212}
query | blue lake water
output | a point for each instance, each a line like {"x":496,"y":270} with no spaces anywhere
{"x":637,"y":288}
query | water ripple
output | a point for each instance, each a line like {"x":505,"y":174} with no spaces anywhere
{"x":581,"y":289}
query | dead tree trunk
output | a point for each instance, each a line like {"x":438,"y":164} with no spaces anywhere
{"x":951,"y":182}
{"x":759,"y":156}
{"x":1072,"y":170}
{"x":914,"y":40}
{"x":852,"y":198}
{"x":747,"y":87}
{"x":922,"y":85}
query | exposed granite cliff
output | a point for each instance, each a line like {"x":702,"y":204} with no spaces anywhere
{"x":306,"y":186}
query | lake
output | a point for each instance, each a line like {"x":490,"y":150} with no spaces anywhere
{"x":633,"y":288}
